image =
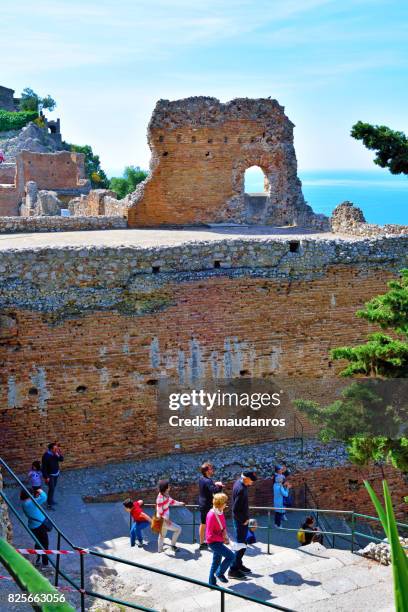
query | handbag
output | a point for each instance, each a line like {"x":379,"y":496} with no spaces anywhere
{"x":47,"y":524}
{"x":157,"y":523}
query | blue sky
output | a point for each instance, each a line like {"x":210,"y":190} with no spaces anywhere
{"x":329,"y":62}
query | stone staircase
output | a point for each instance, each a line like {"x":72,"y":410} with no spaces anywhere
{"x":304,"y":579}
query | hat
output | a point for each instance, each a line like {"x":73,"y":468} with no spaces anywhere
{"x":250,"y":474}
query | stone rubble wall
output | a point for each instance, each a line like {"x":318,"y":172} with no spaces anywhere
{"x":11,"y":225}
{"x":349,"y":219}
{"x":6,"y":531}
{"x":98,"y":202}
{"x":200,"y":151}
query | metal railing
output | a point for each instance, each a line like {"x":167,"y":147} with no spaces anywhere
{"x":268,"y":510}
{"x":81,"y":588}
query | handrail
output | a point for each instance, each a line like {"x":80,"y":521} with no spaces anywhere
{"x":223,"y":591}
{"x":81,"y":588}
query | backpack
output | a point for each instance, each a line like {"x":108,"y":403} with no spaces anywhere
{"x":301,"y":536}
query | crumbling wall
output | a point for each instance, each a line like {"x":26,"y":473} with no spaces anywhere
{"x":200,"y":151}
{"x":62,"y":172}
{"x":6,"y":531}
{"x":349,"y":219}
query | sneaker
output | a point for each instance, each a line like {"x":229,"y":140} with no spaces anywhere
{"x":278,"y":527}
{"x":245,"y":570}
{"x":140,"y":544}
{"x":236,"y":575}
{"x":284,"y":517}
{"x":203,"y":546}
{"x":175,"y":549}
{"x":221,"y":578}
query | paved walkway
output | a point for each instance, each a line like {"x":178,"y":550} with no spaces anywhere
{"x":304,"y":579}
{"x":145,"y":238}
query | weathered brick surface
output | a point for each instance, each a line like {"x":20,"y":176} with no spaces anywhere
{"x":90,"y":380}
{"x":200,"y":151}
{"x":63,"y":171}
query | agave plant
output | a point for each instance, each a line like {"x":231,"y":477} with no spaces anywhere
{"x":398,"y":557}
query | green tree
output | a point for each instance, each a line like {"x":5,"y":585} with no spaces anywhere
{"x":132,"y":176}
{"x":93,"y":169}
{"x":31,"y":101}
{"x":354,"y":418}
{"x":391,"y":147}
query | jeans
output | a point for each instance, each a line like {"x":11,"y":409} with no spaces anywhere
{"x":219,"y":551}
{"x":136,"y":531}
{"x":52,"y":483}
{"x":42,"y":535}
{"x":241,"y":531}
{"x":168,"y":525}
{"x":278,"y":518}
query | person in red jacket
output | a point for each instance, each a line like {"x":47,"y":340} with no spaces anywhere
{"x":2,"y":157}
{"x":141,"y":520}
{"x":217,"y":538}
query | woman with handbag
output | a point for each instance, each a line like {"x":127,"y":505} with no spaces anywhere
{"x":163,"y":503}
{"x":217,"y":538}
{"x":37,"y":522}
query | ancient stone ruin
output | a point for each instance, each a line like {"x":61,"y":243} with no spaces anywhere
{"x":201,"y":149}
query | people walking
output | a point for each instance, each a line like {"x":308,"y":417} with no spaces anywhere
{"x":240,"y":514}
{"x":50,"y":466}
{"x":217,"y":538}
{"x":163,"y":503}
{"x":36,"y":521}
{"x":35,"y":476}
{"x":207,"y":489}
{"x":140,"y":520}
{"x":280,"y":492}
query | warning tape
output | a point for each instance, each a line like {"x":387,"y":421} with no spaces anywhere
{"x":35,"y":551}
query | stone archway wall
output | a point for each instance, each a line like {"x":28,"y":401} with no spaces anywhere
{"x":200,"y":151}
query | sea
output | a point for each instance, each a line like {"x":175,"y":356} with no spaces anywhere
{"x":383,"y":197}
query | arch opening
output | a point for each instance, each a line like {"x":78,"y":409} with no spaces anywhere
{"x":255,"y":181}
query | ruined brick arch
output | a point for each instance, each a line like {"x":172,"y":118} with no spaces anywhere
{"x":200,"y":151}
{"x":265,"y":182}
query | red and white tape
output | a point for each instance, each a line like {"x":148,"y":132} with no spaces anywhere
{"x":36,"y":551}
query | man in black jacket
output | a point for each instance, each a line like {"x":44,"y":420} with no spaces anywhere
{"x":240,"y":515}
{"x":51,"y":470}
{"x":208,"y":488}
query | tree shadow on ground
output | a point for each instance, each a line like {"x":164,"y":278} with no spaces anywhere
{"x":292,"y":578}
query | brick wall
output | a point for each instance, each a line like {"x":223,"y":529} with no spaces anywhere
{"x":89,"y":378}
{"x":200,"y":152}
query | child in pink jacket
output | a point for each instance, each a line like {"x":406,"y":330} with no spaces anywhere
{"x":216,"y":537}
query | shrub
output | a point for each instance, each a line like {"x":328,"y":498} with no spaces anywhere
{"x":15,"y":121}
